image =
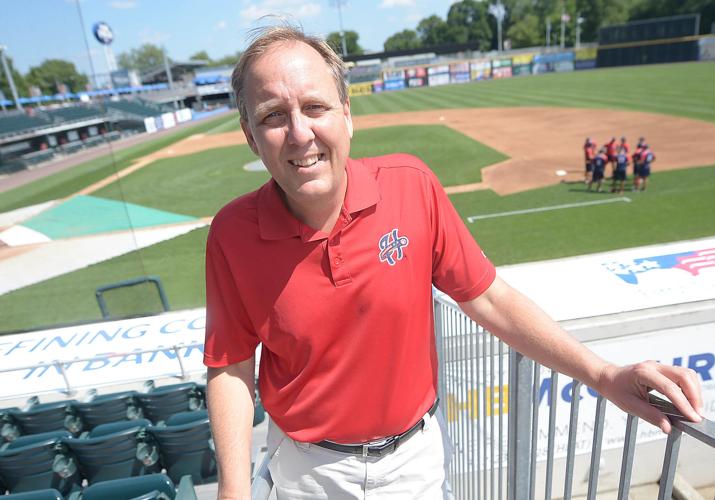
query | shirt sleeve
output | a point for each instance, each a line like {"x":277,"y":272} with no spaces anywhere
{"x":230,"y":337}
{"x":460,"y":268}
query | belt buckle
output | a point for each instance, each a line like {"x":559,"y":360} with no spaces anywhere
{"x":377,"y":447}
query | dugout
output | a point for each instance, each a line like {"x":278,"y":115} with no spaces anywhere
{"x":652,"y":41}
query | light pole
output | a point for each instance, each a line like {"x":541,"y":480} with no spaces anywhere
{"x":339,"y":4}
{"x":499,"y":12}
{"x":564,"y":19}
{"x":8,"y":75}
{"x":86,"y":44}
{"x":548,"y":32}
{"x":579,"y":22}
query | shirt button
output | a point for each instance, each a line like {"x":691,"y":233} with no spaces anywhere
{"x":337,"y":261}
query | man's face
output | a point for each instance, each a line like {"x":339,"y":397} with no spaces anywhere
{"x":297,"y":124}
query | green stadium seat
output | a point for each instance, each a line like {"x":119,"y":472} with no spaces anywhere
{"x":119,"y":426}
{"x":117,"y":455}
{"x":40,"y":465}
{"x":29,"y":439}
{"x":187,"y":449}
{"x":49,"y":494}
{"x":9,"y":429}
{"x":45,"y":417}
{"x":162,"y":402}
{"x":147,"y":487}
{"x":109,"y":408}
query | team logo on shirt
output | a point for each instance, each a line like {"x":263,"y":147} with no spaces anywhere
{"x":391,"y":245}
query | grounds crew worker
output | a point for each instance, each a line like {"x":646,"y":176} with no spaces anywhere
{"x":330,"y":266}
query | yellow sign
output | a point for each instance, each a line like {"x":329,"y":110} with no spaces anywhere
{"x":360,"y":89}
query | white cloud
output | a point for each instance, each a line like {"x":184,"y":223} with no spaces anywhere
{"x":298,"y":9}
{"x":385,"y":4}
{"x":123,"y":4}
{"x":221,"y":25}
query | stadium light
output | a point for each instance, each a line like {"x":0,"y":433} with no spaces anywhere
{"x":8,"y":75}
{"x":499,"y":12}
{"x":579,"y":22}
{"x":339,"y":4}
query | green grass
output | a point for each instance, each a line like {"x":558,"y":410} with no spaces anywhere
{"x":72,"y":180}
{"x":69,"y":298}
{"x":674,"y":89}
{"x":198,"y":184}
{"x":677,"y":206}
{"x":454,"y":157}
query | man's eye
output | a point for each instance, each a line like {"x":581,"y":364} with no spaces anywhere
{"x":272,"y":117}
{"x":315,"y":108}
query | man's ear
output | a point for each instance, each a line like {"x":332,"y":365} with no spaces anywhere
{"x":249,"y":136}
{"x":348,"y":117}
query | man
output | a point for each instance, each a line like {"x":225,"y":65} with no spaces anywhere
{"x":636,"y":157}
{"x":330,"y":267}
{"x":599,"y":168}
{"x":619,"y":176}
{"x":646,"y":158}
{"x":589,"y":153}
{"x":611,"y":152}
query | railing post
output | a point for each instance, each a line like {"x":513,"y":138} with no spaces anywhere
{"x":61,"y":368}
{"x":177,"y":350}
{"x":519,"y":422}
{"x":670,"y":461}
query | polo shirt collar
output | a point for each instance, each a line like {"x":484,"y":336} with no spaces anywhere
{"x":276,"y":222}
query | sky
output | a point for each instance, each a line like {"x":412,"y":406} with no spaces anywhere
{"x":35,"y":30}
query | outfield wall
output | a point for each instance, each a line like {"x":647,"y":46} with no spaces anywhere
{"x":377,"y":78}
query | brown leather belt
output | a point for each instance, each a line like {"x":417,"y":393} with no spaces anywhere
{"x":382,"y":447}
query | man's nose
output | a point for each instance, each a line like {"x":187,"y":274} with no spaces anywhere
{"x":300,"y":129}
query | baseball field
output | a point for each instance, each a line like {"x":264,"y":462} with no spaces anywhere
{"x":508,"y":152}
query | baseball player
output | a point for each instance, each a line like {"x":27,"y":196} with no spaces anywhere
{"x":599,"y":167}
{"x":619,"y":176}
{"x":646,"y":158}
{"x":611,"y":153}
{"x":589,"y":153}
{"x":636,"y":160}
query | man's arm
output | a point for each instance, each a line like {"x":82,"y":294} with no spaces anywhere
{"x":515,"y":319}
{"x":230,"y":394}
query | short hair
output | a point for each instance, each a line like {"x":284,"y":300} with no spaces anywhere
{"x":262,"y":39}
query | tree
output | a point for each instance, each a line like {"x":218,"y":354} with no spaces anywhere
{"x":433,"y":30}
{"x":228,"y":60}
{"x":468,"y":20}
{"x":53,"y":72}
{"x":146,"y":57}
{"x":598,"y":13}
{"x":20,"y":83}
{"x":351,"y":42}
{"x":526,"y":32}
{"x":404,"y":40}
{"x":201,"y":55}
{"x":648,"y":9}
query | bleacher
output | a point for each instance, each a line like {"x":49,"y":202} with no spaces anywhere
{"x":75,"y":113}
{"x":137,"y":107}
{"x":129,"y":442}
{"x":17,"y":123}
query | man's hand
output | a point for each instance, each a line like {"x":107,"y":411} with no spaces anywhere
{"x":628,"y":387}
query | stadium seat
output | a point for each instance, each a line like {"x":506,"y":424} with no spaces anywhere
{"x":41,"y":465}
{"x":120,"y":454}
{"x":119,"y":426}
{"x":109,"y":408}
{"x":45,"y":417}
{"x":187,"y":448}
{"x":152,"y":486}
{"x":49,"y":494}
{"x":29,"y":439}
{"x":162,"y":402}
{"x":9,"y":430}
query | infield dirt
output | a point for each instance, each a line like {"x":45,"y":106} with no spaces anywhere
{"x":538,"y":141}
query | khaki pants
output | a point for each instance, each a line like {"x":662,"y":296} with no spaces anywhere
{"x":417,"y":470}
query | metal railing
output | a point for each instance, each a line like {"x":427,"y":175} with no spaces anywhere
{"x":480,"y":380}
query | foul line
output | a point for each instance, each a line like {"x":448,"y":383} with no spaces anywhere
{"x":472,"y":218}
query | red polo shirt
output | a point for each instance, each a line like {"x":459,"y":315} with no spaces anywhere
{"x":345,"y":318}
